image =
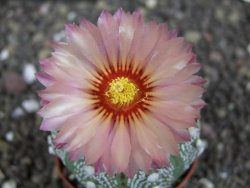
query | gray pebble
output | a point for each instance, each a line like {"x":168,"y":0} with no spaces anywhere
{"x":206,"y":183}
{"x":9,"y":184}
{"x":30,"y":105}
{"x":193,"y":36}
{"x":4,"y":54}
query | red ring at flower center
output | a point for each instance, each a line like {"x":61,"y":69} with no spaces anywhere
{"x":121,"y":93}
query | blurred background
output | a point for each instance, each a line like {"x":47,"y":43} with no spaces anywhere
{"x":220,"y":32}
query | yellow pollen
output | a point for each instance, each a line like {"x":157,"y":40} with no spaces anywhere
{"x":121,"y":91}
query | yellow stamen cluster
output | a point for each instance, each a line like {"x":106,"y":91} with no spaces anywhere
{"x":121,"y":91}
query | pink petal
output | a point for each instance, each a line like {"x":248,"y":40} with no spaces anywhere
{"x":164,"y":135}
{"x":141,"y":158}
{"x":121,"y":147}
{"x":106,"y":162}
{"x":44,"y":78}
{"x":198,"y":104}
{"x":128,"y":25}
{"x":179,"y":76}
{"x":196,"y":80}
{"x":60,"y":90}
{"x":70,"y":126}
{"x":132,"y":169}
{"x":143,"y":45}
{"x":181,"y":135}
{"x":176,"y":110}
{"x":182,"y":92}
{"x":63,"y":106}
{"x":82,"y":39}
{"x":84,"y":133}
{"x":109,"y":32}
{"x":94,"y":149}
{"x":76,"y":154}
{"x":149,"y":142}
{"x":172,"y":122}
{"x":53,"y":124}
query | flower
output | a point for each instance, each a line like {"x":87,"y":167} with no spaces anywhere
{"x":121,"y":94}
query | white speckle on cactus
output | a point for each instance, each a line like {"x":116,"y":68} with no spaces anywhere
{"x":51,"y":150}
{"x":89,"y":170}
{"x":90,"y":184}
{"x":194,"y":132}
{"x":157,"y":186}
{"x":201,"y":145}
{"x":153,"y":177}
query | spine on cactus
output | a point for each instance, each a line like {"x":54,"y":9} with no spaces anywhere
{"x":122,"y":102}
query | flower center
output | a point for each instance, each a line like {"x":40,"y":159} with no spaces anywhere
{"x":121,"y":91}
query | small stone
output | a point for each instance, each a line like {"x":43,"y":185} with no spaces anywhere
{"x":90,"y":184}
{"x":29,"y":72}
{"x":89,"y":170}
{"x":14,"y":83}
{"x":59,"y":36}
{"x":153,"y":177}
{"x":62,"y":8}
{"x":71,"y":16}
{"x":2,"y":176}
{"x":38,"y":38}
{"x":234,"y":17}
{"x":26,"y":160}
{"x":223,"y":175}
{"x":30,"y":105}
{"x":206,"y":183}
{"x":17,"y":112}
{"x":220,"y":146}
{"x":4,"y":54}
{"x":215,"y":56}
{"x":9,"y":136}
{"x":4,"y":146}
{"x":240,"y":53}
{"x":193,"y":36}
{"x":248,"y":48}
{"x":36,"y":178}
{"x":1,"y":114}
{"x":44,"y":9}
{"x":44,"y":53}
{"x":221,"y":112}
{"x":248,"y":87}
{"x":101,"y":5}
{"x":208,"y":131}
{"x":220,"y":14}
{"x":231,"y":106}
{"x":9,"y":184}
{"x":151,"y":4}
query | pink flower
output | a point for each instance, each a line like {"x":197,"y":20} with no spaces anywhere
{"x":121,"y":94}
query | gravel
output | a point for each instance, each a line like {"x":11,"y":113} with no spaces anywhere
{"x":220,"y":33}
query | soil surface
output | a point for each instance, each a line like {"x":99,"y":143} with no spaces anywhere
{"x":220,"y":32}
